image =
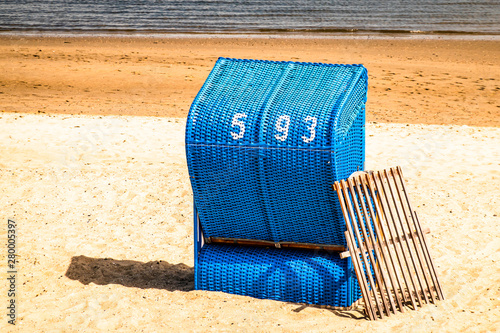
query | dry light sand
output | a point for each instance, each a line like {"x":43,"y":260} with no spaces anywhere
{"x":103,"y":203}
{"x":103,"y":207}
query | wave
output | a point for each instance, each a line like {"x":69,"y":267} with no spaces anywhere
{"x":265,"y":31}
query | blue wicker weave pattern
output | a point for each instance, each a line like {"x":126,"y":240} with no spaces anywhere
{"x":285,"y":275}
{"x":265,"y":140}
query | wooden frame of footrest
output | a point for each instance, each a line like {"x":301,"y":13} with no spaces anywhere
{"x":386,"y":243}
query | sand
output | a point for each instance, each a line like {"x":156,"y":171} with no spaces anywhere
{"x":410,"y":81}
{"x":104,"y":212}
{"x":93,"y":170}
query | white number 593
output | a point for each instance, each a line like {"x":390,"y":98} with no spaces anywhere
{"x":240,"y":124}
{"x":282,"y":126}
{"x":311,"y":128}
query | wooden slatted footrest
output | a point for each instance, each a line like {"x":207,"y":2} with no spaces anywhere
{"x":386,"y":243}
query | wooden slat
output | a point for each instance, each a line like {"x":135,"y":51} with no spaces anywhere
{"x":430,"y":264}
{"x":382,"y":234}
{"x":390,"y":284}
{"x":369,"y":264}
{"x":365,"y":291}
{"x":356,"y":263}
{"x":392,"y":227}
{"x":261,"y":243}
{"x":423,"y":242}
{"x":421,"y":275}
{"x":379,"y":276}
{"x":386,"y":243}
{"x":352,"y":244}
{"x":410,"y":262}
{"x":346,"y":254}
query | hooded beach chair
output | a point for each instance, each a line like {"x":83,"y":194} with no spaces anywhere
{"x":265,"y":141}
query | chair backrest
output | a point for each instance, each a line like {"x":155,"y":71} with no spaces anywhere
{"x":264,"y":142}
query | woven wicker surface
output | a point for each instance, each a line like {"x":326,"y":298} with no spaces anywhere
{"x":264,"y":141}
{"x":279,"y":274}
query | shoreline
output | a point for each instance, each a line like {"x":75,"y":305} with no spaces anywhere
{"x":378,"y":35}
{"x":416,"y":81}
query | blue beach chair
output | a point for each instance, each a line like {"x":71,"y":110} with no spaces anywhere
{"x":264,"y":142}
